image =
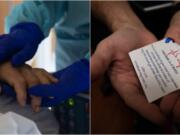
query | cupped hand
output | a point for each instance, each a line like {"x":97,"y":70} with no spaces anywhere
{"x":112,"y":55}
{"x":22,"y":78}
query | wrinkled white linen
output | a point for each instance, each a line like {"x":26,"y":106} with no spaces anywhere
{"x":13,"y":123}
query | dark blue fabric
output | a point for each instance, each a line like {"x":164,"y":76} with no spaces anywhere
{"x":21,"y":43}
{"x":72,"y":80}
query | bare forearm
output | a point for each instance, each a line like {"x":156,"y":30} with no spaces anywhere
{"x":115,"y":14}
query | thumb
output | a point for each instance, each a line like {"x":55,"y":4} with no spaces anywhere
{"x":174,"y":33}
{"x":24,"y":55}
{"x":100,"y":60}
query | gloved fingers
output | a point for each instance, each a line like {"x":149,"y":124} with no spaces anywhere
{"x":23,"y":55}
{"x":49,"y":102}
{"x":58,"y":74}
{"x":59,"y":89}
{"x":68,"y":85}
{"x":53,"y":94}
{"x":45,"y":90}
{"x":46,"y":102}
{"x":44,"y":76}
{"x":8,"y":90}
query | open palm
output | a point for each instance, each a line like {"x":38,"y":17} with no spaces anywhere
{"x":112,"y":54}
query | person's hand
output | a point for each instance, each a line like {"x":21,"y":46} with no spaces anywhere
{"x":22,"y":78}
{"x":20,"y":44}
{"x":112,"y":55}
{"x":72,"y":80}
{"x":170,"y":104}
{"x":33,"y":77}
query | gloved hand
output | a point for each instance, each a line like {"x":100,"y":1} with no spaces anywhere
{"x":20,"y":44}
{"x":72,"y":80}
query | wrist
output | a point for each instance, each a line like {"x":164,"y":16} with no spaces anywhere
{"x":121,"y":15}
{"x":117,"y":25}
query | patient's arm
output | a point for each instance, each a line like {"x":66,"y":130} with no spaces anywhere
{"x":24,"y":77}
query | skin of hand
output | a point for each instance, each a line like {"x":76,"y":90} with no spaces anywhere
{"x":170,"y":104}
{"x":112,"y":55}
{"x":25,"y":77}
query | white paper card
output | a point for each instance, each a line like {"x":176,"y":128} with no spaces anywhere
{"x":157,"y":66}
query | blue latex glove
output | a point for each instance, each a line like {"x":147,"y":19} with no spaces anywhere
{"x":72,"y":80}
{"x":20,"y":44}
